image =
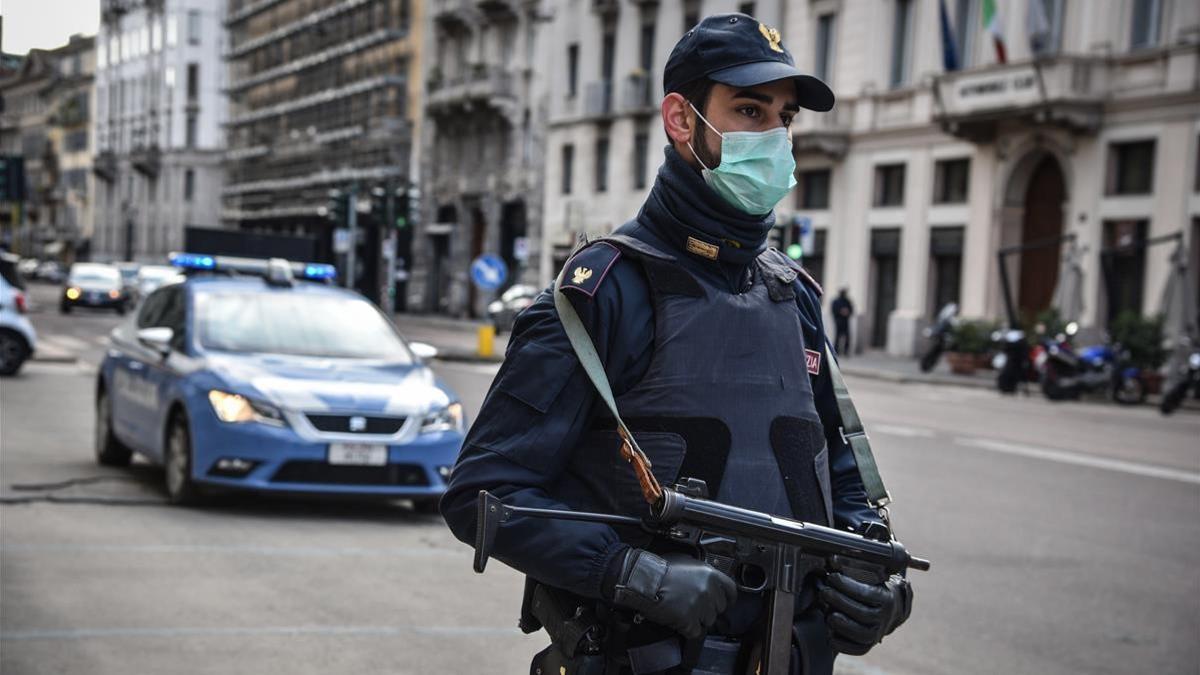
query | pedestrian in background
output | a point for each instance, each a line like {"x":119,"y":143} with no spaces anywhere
{"x":713,"y":345}
{"x":842,"y":310}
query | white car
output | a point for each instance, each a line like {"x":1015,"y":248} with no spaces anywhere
{"x":17,"y":337}
{"x":150,"y":277}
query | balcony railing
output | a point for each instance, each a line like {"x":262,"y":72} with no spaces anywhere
{"x":825,"y":133}
{"x":597,"y":99}
{"x":1066,"y":91}
{"x":104,"y":165}
{"x":146,"y":160}
{"x":481,"y":83}
{"x":637,"y":94}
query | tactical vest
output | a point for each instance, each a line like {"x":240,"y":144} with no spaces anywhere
{"x":726,"y":399}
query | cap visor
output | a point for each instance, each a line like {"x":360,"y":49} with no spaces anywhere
{"x":813,"y":93}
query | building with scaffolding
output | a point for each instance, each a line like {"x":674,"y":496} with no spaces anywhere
{"x":158,"y":130}
{"x":482,"y":157}
{"x":325,"y":96}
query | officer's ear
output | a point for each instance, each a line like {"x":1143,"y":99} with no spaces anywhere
{"x":678,"y":120}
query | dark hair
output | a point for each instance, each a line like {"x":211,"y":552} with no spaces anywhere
{"x":697,"y":92}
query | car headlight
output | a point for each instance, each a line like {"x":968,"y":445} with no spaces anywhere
{"x":235,"y":409}
{"x":73,"y":293}
{"x":449,"y":418}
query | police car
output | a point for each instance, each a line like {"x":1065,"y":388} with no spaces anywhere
{"x":262,"y":375}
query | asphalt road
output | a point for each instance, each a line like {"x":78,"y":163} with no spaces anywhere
{"x":1065,"y":539}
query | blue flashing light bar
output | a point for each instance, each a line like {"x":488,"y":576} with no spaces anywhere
{"x":319,"y":271}
{"x":312,"y":271}
{"x":193,"y":261}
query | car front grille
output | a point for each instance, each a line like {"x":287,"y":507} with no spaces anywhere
{"x":371,"y":424}
{"x":307,"y":471}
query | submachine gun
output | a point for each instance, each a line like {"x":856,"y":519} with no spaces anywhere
{"x":761,"y":552}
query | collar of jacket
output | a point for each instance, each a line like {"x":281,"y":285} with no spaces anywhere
{"x":682,"y":205}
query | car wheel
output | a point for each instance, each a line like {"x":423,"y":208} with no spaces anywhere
{"x":64,"y":309}
{"x":109,"y":450}
{"x":121,"y":309}
{"x":177,"y":463}
{"x":1129,"y":391}
{"x":13,"y":352}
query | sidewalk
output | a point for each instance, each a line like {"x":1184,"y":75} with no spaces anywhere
{"x":455,"y":339}
{"x":881,"y":366}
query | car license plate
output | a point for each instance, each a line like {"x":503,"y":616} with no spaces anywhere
{"x":358,"y":454}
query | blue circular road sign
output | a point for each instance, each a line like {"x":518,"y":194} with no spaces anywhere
{"x":488,"y":272}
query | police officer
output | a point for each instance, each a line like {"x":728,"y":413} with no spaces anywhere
{"x":713,"y":345}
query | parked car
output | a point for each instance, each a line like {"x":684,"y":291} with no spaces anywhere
{"x":129,"y":276}
{"x":96,"y":286}
{"x":503,"y":312}
{"x":260,"y":375}
{"x":150,"y":277}
{"x":50,"y":271}
{"x":28,"y":267}
{"x":18,"y":340}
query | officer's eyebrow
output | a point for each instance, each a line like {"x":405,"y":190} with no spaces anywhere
{"x":766,"y":98}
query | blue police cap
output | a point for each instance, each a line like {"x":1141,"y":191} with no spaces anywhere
{"x":737,"y":50}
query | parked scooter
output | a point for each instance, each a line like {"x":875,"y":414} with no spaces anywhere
{"x":1189,"y":380}
{"x":1067,"y":374}
{"x":941,"y":336}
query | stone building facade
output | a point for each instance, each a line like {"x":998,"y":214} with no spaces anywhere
{"x":48,"y":108}
{"x":158,"y":130}
{"x":482,"y":149}
{"x":918,"y":176}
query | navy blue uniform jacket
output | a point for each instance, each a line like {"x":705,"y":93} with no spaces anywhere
{"x":542,"y":402}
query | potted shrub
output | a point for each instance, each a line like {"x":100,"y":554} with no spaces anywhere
{"x":1143,"y":338}
{"x":969,"y":340}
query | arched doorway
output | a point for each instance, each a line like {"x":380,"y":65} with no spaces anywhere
{"x":1042,"y":220}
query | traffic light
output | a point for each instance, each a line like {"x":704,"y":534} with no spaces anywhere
{"x":12,"y":179}
{"x":337,"y":208}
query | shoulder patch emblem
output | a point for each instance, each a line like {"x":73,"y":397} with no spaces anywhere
{"x":587,"y":269}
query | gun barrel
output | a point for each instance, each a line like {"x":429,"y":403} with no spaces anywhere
{"x":675,"y":507}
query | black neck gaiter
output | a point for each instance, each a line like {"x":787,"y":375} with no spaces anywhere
{"x":682,"y":205}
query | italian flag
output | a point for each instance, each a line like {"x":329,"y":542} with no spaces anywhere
{"x":992,"y":24}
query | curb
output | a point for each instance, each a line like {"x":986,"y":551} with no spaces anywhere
{"x":465,"y":356}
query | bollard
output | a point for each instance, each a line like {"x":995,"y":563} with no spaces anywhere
{"x":487,"y":339}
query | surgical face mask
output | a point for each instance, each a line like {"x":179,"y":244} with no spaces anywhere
{"x":757,"y":168}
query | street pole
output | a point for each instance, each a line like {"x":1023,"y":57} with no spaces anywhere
{"x":388,"y":254}
{"x":352,"y":226}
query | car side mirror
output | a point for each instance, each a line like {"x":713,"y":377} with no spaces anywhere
{"x":157,"y":338}
{"x":423,"y":351}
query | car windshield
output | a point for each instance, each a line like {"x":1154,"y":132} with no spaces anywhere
{"x":95,"y":275}
{"x":301,"y":324}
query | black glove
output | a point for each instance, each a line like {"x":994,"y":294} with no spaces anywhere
{"x":678,"y":591}
{"x":863,"y":605}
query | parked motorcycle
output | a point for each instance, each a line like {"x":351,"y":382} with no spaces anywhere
{"x":1067,"y":374}
{"x":1189,"y":381}
{"x":941,"y":336}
